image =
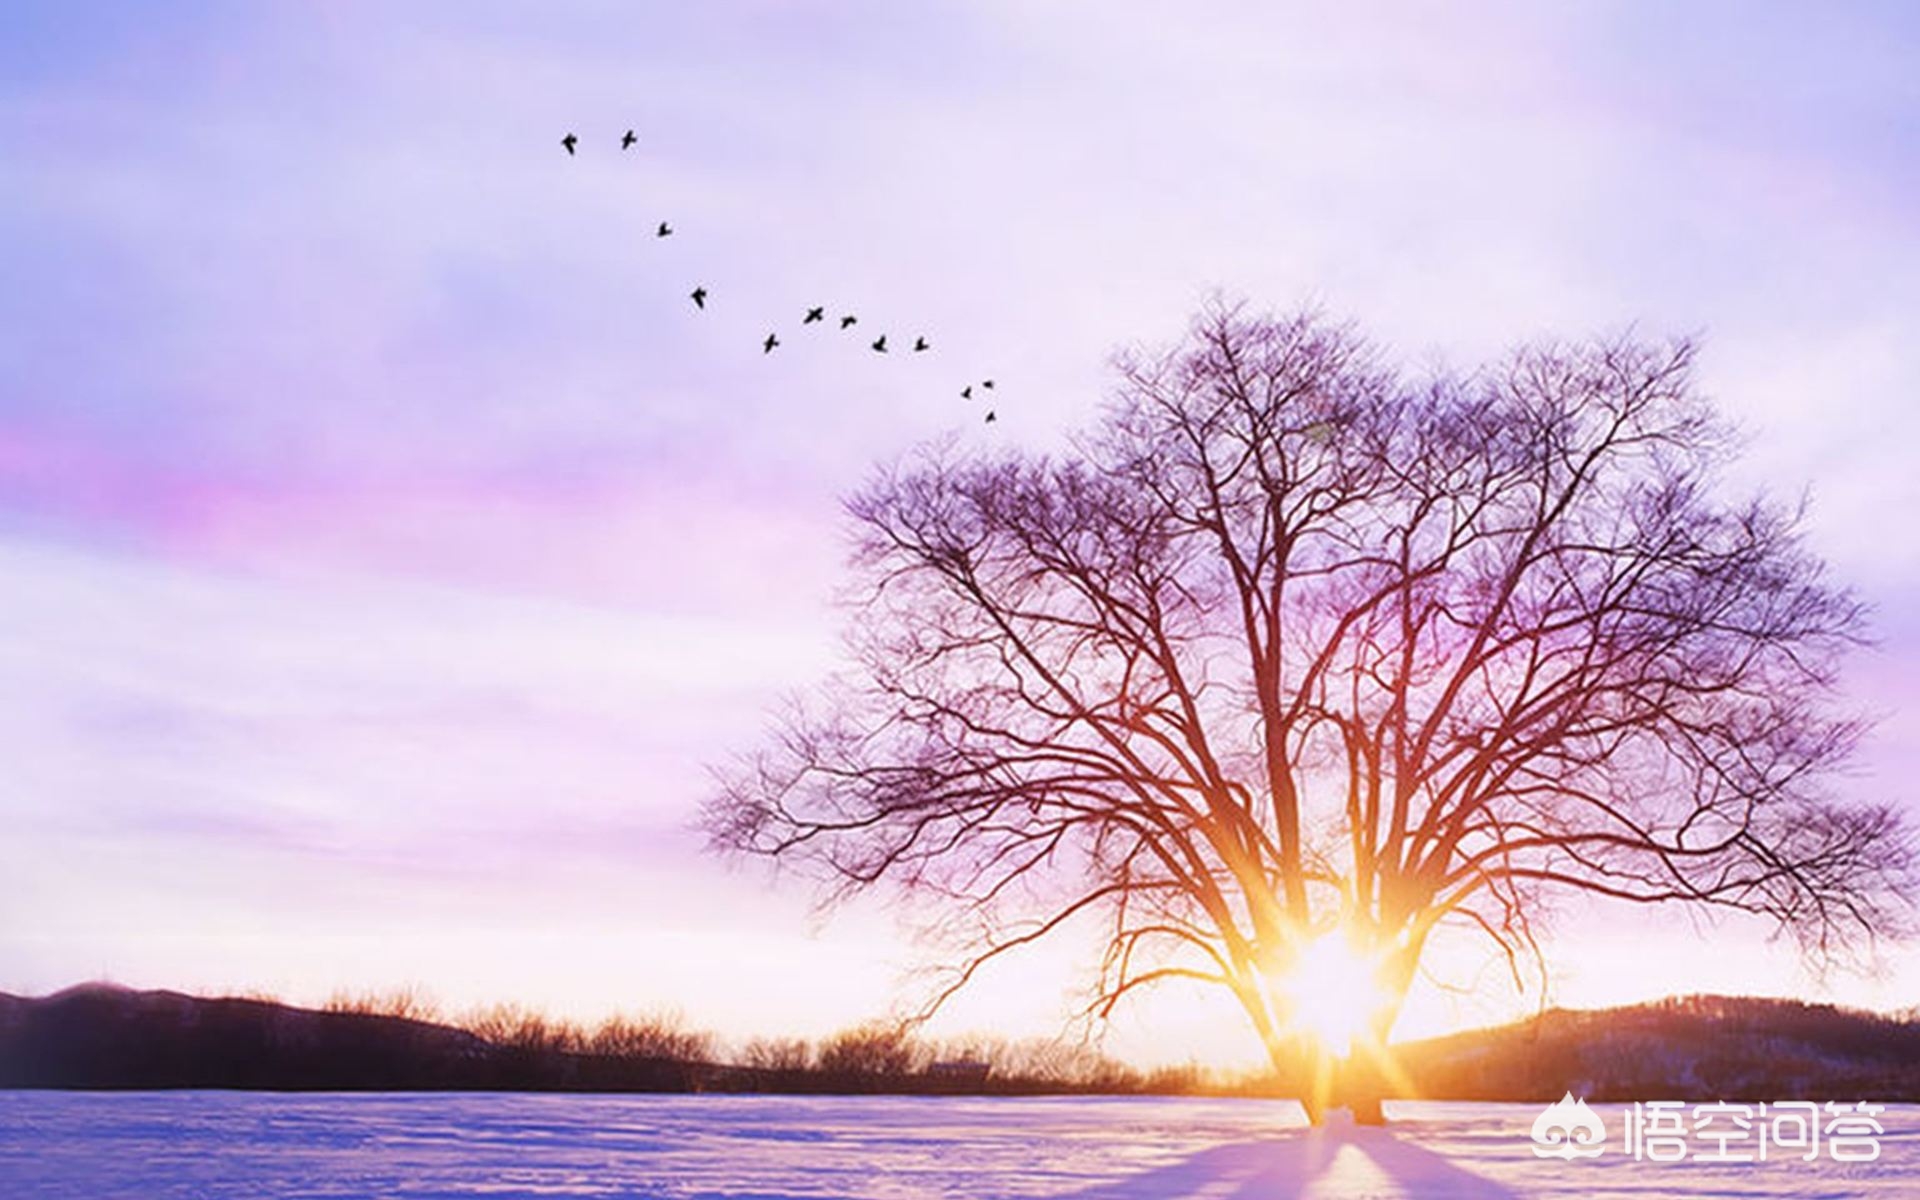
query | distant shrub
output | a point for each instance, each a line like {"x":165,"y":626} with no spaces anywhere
{"x":520,"y":1028}
{"x":875,"y":1049}
{"x":777,"y":1054}
{"x":661,"y":1035}
{"x":409,"y":1003}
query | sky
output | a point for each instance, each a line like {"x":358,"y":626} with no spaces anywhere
{"x":389,"y":551}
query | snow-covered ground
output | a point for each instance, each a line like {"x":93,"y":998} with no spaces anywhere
{"x":218,"y":1145}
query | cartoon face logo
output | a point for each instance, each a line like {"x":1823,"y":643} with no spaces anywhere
{"x":1568,"y":1129}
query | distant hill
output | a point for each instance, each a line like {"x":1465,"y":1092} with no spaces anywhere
{"x":1684,"y":1048}
{"x":98,"y":1036}
{"x":1691,"y":1048}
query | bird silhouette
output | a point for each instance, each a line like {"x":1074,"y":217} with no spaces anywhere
{"x":966,"y":393}
{"x":626,"y":143}
{"x":919,"y":344}
{"x":987,"y":383}
{"x":814,"y":314}
{"x":664,"y":230}
{"x":880,"y":344}
{"x":991,"y":418}
{"x":569,"y":142}
{"x":699,"y":297}
{"x":767,"y":346}
{"x":848,"y":320}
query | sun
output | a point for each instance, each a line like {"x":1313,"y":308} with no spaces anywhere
{"x":1333,"y":990}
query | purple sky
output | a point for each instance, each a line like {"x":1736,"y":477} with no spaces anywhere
{"x":386,"y":547}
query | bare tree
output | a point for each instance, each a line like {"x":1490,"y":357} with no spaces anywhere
{"x":777,"y":1054}
{"x":659,"y":1035}
{"x":875,"y":1050}
{"x":410,"y":1003}
{"x":518,"y":1027}
{"x":1294,"y":643}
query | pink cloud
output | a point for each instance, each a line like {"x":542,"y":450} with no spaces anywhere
{"x":672,"y":539}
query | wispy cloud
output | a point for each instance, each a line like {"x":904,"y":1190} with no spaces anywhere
{"x":377,"y":518}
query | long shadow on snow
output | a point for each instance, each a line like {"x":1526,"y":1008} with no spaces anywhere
{"x":1284,"y":1165}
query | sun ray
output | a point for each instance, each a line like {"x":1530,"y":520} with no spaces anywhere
{"x":1333,"y":992}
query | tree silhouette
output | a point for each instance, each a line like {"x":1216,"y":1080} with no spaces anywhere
{"x":1293,"y":642}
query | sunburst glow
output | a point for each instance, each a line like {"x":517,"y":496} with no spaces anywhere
{"x":1333,"y":990}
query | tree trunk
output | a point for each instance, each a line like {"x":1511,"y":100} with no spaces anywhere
{"x":1311,"y":1073}
{"x":1363,"y":1100}
{"x":1316,"y":1112}
{"x":1362,"y":1084}
{"x":1354,"y":1081}
{"x":1350,"y":1082}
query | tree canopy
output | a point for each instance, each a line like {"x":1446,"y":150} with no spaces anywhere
{"x":1296,"y":640}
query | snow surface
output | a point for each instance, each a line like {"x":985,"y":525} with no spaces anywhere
{"x":215,"y":1145}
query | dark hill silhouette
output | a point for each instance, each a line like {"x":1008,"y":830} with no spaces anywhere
{"x":96,"y":1036}
{"x":1683,"y":1048}
{"x":1692,"y":1048}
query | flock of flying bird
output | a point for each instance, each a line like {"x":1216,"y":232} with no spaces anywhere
{"x":814,"y":315}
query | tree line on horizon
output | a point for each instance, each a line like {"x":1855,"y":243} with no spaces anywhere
{"x":1688,"y":1048}
{"x":869,"y":1050}
{"x":1756,"y":1047}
